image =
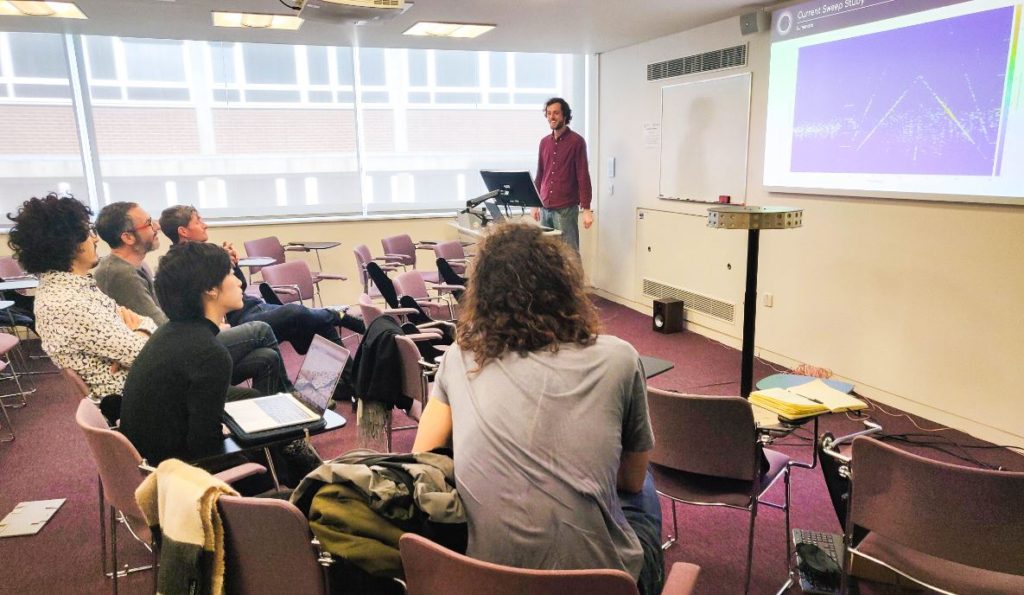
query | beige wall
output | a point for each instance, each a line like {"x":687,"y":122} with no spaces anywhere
{"x":920,"y":304}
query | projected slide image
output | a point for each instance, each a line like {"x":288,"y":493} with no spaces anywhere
{"x":924,"y":99}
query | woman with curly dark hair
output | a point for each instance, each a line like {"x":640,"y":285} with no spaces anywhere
{"x":80,"y":327}
{"x":548,"y":419}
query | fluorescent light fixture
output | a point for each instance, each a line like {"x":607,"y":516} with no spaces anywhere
{"x":463,"y":30}
{"x":35,"y":8}
{"x":256,"y":21}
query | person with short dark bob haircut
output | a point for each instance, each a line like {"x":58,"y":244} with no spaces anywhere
{"x":175,"y":394}
{"x":186,"y":271}
{"x":80,"y":328}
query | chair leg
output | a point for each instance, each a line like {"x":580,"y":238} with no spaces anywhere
{"x":113,"y":547}
{"x":103,"y":529}
{"x":789,"y":532}
{"x":672,"y":539}
{"x":10,"y":426}
{"x":750,"y":547}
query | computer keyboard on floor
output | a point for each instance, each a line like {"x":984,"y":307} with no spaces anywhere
{"x":831,"y":544}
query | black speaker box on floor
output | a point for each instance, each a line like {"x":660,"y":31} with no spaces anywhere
{"x":668,"y":315}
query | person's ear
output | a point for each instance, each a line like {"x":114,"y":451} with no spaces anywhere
{"x":182,"y":232}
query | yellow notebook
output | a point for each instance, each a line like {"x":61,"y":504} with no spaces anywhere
{"x":805,"y":400}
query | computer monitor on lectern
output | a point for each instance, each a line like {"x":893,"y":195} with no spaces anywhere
{"x":518,"y":187}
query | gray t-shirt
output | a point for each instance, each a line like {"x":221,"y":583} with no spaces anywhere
{"x":130,"y":286}
{"x":537,"y":443}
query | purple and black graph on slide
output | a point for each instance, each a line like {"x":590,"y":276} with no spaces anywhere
{"x":924,"y":99}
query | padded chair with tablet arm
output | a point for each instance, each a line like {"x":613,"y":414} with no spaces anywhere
{"x":403,"y":250}
{"x":121,"y":470}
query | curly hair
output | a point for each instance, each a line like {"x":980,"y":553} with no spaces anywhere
{"x":566,"y":110}
{"x":47,"y":232}
{"x":525,"y":294}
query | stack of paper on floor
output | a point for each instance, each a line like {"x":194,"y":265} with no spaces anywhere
{"x":805,"y":400}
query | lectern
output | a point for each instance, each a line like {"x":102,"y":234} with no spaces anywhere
{"x":752,"y":219}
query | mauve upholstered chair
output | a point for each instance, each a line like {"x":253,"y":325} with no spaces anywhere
{"x":291,"y":281}
{"x":268,"y":549}
{"x":707,"y":453}
{"x":951,"y":528}
{"x":363,"y":258}
{"x":454,"y":254}
{"x":431,"y":569}
{"x":402,"y":249}
{"x":438,"y":306}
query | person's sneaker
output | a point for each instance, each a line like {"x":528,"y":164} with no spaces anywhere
{"x":339,"y":308}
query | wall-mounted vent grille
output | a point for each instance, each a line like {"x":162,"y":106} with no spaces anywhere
{"x":691,"y":300}
{"x":714,"y":60}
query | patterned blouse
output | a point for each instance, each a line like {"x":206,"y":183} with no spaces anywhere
{"x":81,"y":329}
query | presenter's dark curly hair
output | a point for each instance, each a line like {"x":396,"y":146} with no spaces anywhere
{"x":47,"y":232}
{"x":525,"y":294}
{"x":566,"y":110}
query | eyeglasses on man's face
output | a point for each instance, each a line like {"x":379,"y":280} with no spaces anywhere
{"x":149,"y":223}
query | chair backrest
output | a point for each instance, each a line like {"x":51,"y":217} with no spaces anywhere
{"x":449,"y":250}
{"x":267,"y":546}
{"x":704,"y":434}
{"x":270,"y":247}
{"x":368,"y":309}
{"x":116,"y":458}
{"x":411,"y":283}
{"x":384,"y":284}
{"x":75,"y":381}
{"x":431,"y":569}
{"x":400,"y":245}
{"x":10,"y":269}
{"x":294,"y":273}
{"x":363,"y":256}
{"x":412,"y":375}
{"x":962,"y":514}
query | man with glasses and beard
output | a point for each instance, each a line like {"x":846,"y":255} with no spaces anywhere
{"x":124,"y":275}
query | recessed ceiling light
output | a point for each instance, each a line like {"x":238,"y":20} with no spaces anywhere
{"x":431,"y":29}
{"x":36,"y":8}
{"x":256,"y":21}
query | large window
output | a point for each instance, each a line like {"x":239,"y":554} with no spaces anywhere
{"x":257,"y":130}
{"x":39,"y":147}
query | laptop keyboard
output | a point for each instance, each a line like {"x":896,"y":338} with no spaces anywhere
{"x":282,"y":411}
{"x":831,"y":544}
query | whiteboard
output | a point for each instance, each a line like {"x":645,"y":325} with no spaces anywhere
{"x":704,"y":139}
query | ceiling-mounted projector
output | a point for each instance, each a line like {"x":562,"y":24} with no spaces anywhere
{"x":346,"y":11}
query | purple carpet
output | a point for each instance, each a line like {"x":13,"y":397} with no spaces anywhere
{"x":49,"y":460}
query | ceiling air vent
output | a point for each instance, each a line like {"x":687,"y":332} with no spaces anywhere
{"x":706,"y":62}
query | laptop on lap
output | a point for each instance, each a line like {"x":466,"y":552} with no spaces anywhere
{"x":285,"y":414}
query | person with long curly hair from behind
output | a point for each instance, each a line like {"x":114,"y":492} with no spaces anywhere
{"x":547,"y":418}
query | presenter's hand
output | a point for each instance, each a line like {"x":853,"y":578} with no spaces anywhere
{"x":588,"y":218}
{"x":536,"y":214}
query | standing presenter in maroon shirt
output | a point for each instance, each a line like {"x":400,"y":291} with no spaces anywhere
{"x":563,"y":177}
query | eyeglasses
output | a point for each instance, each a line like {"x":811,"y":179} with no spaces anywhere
{"x":149,"y":223}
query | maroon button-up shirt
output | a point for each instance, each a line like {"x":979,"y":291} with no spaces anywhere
{"x":563,"y":178}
